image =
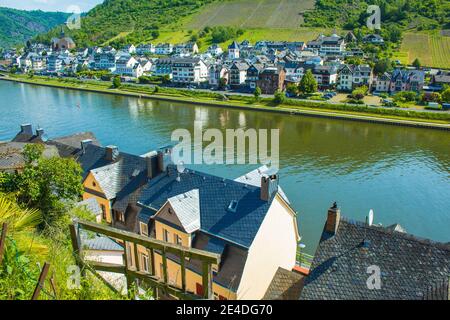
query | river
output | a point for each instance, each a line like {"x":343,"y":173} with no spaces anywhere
{"x":402,"y":173}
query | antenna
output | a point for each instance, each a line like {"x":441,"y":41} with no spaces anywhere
{"x":370,"y":217}
{"x":369,"y":221}
{"x":180,"y":169}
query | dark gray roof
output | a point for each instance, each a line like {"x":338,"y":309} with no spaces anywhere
{"x":91,"y":205}
{"x":216,"y":195}
{"x":98,"y":242}
{"x":285,"y":285}
{"x":118,"y":174}
{"x":409,"y":266}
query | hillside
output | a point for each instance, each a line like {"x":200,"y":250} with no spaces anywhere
{"x":253,"y":14}
{"x":18,"y":26}
{"x":139,"y":20}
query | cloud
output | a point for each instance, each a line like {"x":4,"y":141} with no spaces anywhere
{"x":50,"y":5}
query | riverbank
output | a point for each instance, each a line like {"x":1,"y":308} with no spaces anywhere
{"x":293,"y":107}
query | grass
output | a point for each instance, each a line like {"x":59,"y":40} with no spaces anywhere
{"x":175,"y":35}
{"x":311,"y":107}
{"x":432,"y":49}
{"x":252,"y":14}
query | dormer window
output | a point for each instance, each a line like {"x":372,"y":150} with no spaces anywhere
{"x":232,"y":207}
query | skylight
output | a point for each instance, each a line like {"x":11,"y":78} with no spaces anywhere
{"x":233,"y":206}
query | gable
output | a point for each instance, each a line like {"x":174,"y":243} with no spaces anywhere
{"x":167,"y":215}
{"x":92,"y":184}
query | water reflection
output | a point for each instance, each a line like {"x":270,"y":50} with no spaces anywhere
{"x":402,"y":173}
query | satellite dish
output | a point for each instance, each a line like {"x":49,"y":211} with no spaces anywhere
{"x":370,"y":217}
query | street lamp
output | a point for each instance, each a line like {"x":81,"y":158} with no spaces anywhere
{"x":301,"y":246}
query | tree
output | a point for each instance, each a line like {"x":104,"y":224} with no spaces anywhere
{"x":222,"y":83}
{"x":292,"y":89}
{"x":257,"y":93}
{"x":155,"y":34}
{"x":416,"y":63}
{"x":446,"y":95}
{"x":46,"y":183}
{"x":117,"y":83}
{"x":382,"y":66}
{"x":279,"y":97}
{"x":308,"y":84}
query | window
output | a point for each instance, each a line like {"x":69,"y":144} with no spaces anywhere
{"x":144,"y":229}
{"x":166,"y":235}
{"x":144,"y":262}
{"x":94,"y":184}
{"x":119,"y":216}
{"x":177,"y":239}
{"x":102,"y":206}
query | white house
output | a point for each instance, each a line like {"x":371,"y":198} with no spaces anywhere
{"x":215,"y":50}
{"x":128,"y":66}
{"x":217,"y":72}
{"x":143,"y":49}
{"x":164,"y":48}
{"x":233,"y":51}
{"x":189,"y":71}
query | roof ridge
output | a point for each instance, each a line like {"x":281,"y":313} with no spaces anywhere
{"x":406,"y":235}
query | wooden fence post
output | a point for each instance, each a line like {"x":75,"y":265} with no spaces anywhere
{"x":41,"y":281}
{"x":76,"y":245}
{"x":3,"y":240}
{"x":207,"y":281}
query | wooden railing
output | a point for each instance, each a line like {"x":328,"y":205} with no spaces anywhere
{"x":133,"y":273}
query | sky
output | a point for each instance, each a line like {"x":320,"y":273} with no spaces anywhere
{"x":50,"y":5}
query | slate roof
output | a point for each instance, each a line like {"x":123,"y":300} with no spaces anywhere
{"x":187,"y":209}
{"x":253,"y":178}
{"x":113,"y":177}
{"x":215,"y":196}
{"x":11,"y":155}
{"x":91,"y":205}
{"x":285,"y":285}
{"x":409,"y":266}
{"x":98,"y":242}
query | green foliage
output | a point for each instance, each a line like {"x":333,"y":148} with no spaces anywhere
{"x":382,"y":66}
{"x":133,"y":21}
{"x":416,"y":63}
{"x":116,"y":83}
{"x":222,"y":83}
{"x":431,"y":97}
{"x":405,"y":96}
{"x":221,"y":34}
{"x":396,"y":15}
{"x":17,"y":26}
{"x":292,"y":89}
{"x":279,"y":97}
{"x":46,"y":182}
{"x":446,"y":95}
{"x":359,"y":93}
{"x":308,"y":84}
{"x":257,"y":93}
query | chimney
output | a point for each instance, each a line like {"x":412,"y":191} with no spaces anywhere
{"x":84,"y":144}
{"x":152,"y":166}
{"x":269,"y":186}
{"x":164,"y":158}
{"x":40,"y":132}
{"x":333,"y":218}
{"x":161,"y":167}
{"x":26,"y":129}
{"x":111,"y":153}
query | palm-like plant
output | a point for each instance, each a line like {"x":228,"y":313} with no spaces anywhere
{"x":18,"y":219}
